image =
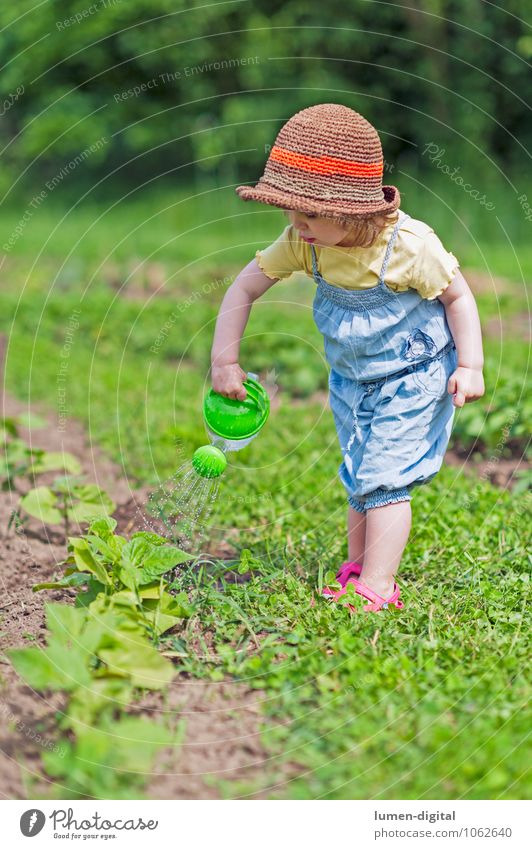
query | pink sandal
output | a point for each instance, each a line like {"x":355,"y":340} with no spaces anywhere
{"x":348,"y":568}
{"x":377,"y":602}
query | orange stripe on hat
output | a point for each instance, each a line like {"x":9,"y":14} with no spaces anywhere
{"x":326,"y":164}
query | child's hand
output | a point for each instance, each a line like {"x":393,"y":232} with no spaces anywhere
{"x":227,"y":380}
{"x":466,"y":384}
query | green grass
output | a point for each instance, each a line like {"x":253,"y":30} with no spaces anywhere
{"x":424,"y":703}
{"x":112,"y":377}
{"x":206,"y":227}
{"x":428,"y":702}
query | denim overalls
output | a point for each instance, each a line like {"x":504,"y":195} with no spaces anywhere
{"x":391,"y":355}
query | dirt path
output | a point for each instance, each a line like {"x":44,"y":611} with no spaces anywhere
{"x":222,"y":737}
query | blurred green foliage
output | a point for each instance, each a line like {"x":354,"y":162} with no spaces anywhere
{"x":167,"y":86}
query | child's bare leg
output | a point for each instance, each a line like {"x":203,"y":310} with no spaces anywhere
{"x":356,"y":536}
{"x":387,"y":530}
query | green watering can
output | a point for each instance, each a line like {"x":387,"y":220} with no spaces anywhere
{"x":231,"y":425}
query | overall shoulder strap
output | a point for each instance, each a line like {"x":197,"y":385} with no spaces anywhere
{"x":314,"y":264}
{"x":390,"y":245}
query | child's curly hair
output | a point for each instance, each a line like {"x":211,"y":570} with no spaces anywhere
{"x":363,"y":231}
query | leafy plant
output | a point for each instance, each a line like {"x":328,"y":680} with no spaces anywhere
{"x":112,"y":760}
{"x":101,"y":651}
{"x":67,"y":500}
{"x":112,"y":573}
{"x":99,"y":659}
{"x":19,"y":460}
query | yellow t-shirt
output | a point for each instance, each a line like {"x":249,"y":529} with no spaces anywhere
{"x":418,"y":260}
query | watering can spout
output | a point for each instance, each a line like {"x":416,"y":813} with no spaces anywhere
{"x":209,"y":461}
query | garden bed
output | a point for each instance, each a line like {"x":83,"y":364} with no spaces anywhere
{"x":222,"y":732}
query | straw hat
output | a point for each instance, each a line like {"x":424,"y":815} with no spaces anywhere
{"x":326,"y":160}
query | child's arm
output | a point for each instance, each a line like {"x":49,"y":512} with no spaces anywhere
{"x":227,"y":376}
{"x":466,"y":383}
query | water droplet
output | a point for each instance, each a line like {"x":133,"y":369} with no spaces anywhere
{"x":181,"y":503}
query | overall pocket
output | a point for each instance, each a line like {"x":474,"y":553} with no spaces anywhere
{"x":431,"y":378}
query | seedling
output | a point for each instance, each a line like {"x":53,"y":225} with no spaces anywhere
{"x":67,"y":500}
{"x":19,"y":460}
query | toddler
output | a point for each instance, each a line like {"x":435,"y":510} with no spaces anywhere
{"x":400,"y":327}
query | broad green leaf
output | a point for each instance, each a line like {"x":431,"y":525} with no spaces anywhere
{"x":104,"y":694}
{"x":110,"y":548}
{"x":86,"y":562}
{"x":18,"y":452}
{"x":60,"y":761}
{"x":134,"y":741}
{"x":162,"y":560}
{"x":129,"y":576}
{"x":150,"y":537}
{"x":74,"y":579}
{"x":64,"y":484}
{"x":35,"y":668}
{"x":103,"y":527}
{"x":135,"y":552}
{"x":72,"y":660}
{"x":41,"y":503}
{"x":125,"y":599}
{"x":88,"y":492}
{"x":52,"y":460}
{"x":64,"y":621}
{"x":150,"y":591}
{"x":141,"y":663}
{"x":166,"y":612}
{"x":70,"y":626}
{"x":176,"y":605}
{"x":180,"y":599}
{"x":58,"y":667}
{"x":89,"y":502}
{"x":31,"y":420}
{"x":8,"y":426}
{"x":117,"y":624}
{"x":94,"y":589}
{"x":109,"y":760}
{"x":84,"y":511}
{"x":161,"y":622}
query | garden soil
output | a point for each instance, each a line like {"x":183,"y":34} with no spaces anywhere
{"x":222,"y":719}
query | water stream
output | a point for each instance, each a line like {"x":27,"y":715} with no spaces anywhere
{"x":180,"y":506}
